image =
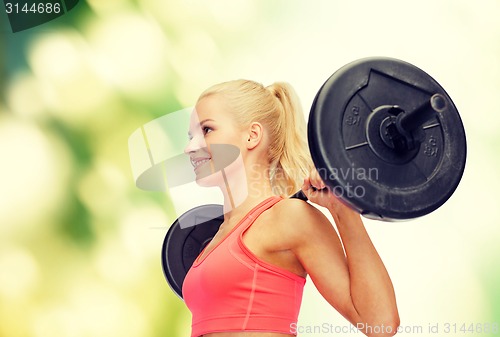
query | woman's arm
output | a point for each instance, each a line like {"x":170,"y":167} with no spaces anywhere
{"x":355,"y":282}
{"x":371,"y":288}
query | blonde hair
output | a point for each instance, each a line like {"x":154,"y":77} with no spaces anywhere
{"x":278,"y":109}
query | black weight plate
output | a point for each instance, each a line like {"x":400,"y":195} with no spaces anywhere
{"x":351,"y":160}
{"x":185,"y":240}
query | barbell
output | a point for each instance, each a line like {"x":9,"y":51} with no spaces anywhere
{"x":384,"y":136}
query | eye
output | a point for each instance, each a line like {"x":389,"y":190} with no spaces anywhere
{"x":207,"y":129}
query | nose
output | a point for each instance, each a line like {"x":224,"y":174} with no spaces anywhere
{"x":195,"y":143}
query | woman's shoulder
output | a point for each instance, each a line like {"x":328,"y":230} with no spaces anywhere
{"x":297,"y":217}
{"x":293,"y":206}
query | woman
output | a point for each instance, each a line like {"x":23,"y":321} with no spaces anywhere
{"x":249,"y":279}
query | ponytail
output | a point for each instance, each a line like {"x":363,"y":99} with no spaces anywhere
{"x":290,"y":159}
{"x":278,"y":108}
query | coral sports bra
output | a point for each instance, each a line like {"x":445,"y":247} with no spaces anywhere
{"x":230,"y":289}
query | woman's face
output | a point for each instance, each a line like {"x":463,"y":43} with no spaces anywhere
{"x":215,"y":141}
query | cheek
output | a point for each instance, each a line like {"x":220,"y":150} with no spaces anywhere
{"x":234,"y":138}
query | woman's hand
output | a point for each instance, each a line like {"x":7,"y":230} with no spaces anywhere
{"x":317,"y":192}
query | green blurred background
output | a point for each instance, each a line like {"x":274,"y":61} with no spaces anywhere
{"x":80,"y":244}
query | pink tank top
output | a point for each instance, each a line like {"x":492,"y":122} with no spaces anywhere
{"x":232,"y":290}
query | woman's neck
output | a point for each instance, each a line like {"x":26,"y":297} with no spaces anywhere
{"x":244,"y":191}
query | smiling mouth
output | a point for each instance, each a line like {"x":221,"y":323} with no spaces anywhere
{"x":199,"y":162}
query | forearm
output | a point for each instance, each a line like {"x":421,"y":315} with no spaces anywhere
{"x":371,"y":288}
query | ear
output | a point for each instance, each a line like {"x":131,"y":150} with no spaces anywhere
{"x":255,"y":135}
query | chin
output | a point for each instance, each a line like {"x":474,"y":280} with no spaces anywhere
{"x":208,"y":179}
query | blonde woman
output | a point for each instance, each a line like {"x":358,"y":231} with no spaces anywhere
{"x":248,"y":281}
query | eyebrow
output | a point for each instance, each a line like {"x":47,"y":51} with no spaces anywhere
{"x":201,"y":123}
